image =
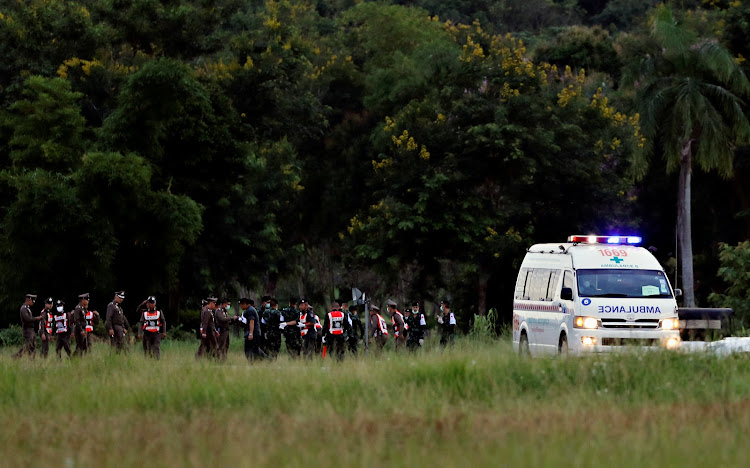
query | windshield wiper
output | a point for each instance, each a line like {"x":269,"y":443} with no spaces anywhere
{"x":607,"y":295}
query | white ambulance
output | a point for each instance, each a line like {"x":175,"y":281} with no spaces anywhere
{"x":593,"y":293}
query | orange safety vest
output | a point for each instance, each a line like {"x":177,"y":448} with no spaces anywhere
{"x":318,"y":325}
{"x":89,"y":315}
{"x":152,"y":321}
{"x":61,"y":321}
{"x":48,"y":321}
{"x":336,"y":322}
{"x":382,"y":325}
{"x":396,"y":328}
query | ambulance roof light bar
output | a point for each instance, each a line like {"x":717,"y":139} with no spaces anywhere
{"x":594,"y":239}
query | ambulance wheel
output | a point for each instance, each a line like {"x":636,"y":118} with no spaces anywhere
{"x":523,"y":345}
{"x":562,"y":345}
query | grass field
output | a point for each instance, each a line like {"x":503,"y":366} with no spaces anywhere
{"x":474,"y":405}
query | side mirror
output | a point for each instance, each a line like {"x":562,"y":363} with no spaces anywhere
{"x":566,"y":294}
{"x":678,"y":293}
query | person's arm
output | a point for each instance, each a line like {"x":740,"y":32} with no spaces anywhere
{"x":204,"y":321}
{"x":108,"y":319}
{"x":251,"y":328}
{"x":163,"y":328}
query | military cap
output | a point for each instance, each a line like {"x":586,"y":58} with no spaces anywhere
{"x":446,"y":302}
{"x":151,"y":299}
{"x":31,"y":296}
{"x":266,"y":298}
{"x":120,"y":294}
{"x":211,"y":299}
{"x":244,"y":300}
{"x":303,"y":301}
{"x":413,"y":304}
{"x":391,"y":303}
{"x":59,"y":302}
{"x":83,"y":296}
{"x":49,"y":301}
{"x":203,"y":302}
{"x":374,"y":307}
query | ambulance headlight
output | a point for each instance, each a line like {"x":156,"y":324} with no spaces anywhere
{"x":670,"y":324}
{"x":672,"y":343}
{"x":589,"y":323}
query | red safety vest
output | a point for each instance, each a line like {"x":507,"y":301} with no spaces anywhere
{"x":47,"y":321}
{"x":61,"y":322}
{"x":89,"y":315}
{"x":152,"y":321}
{"x":318,"y":325}
{"x":336,"y":322}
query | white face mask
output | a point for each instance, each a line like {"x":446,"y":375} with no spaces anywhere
{"x":60,"y":309}
{"x":441,"y":309}
{"x":229,"y":307}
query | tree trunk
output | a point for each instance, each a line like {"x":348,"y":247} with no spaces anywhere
{"x":684,"y":228}
{"x":484,"y":278}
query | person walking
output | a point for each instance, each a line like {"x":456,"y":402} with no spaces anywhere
{"x":208,"y":330}
{"x":272,"y":320}
{"x":291,"y":331}
{"x":447,"y":323}
{"x":223,"y":322}
{"x":356,"y":330}
{"x":417,"y":325}
{"x":378,"y":326}
{"x":62,"y":323}
{"x":45,"y":326}
{"x":152,"y":327}
{"x":335,"y":330}
{"x":117,"y":323}
{"x":252,"y":330}
{"x":309,"y":332}
{"x":79,"y":324}
{"x":399,"y":326}
{"x":29,"y":323}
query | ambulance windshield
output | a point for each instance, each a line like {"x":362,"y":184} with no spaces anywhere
{"x":623,"y":283}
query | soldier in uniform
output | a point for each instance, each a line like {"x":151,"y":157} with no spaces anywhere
{"x":116,"y":323}
{"x":223,"y":321}
{"x":83,"y":324}
{"x":417,"y":324}
{"x":378,"y":326}
{"x":62,"y":324}
{"x":292,"y":336}
{"x":447,"y":323}
{"x":208,"y":330}
{"x":45,"y":326}
{"x":399,"y":326}
{"x":252,"y":329}
{"x":265,"y":304}
{"x":309,"y":333}
{"x":28,"y":325}
{"x":271,"y":323}
{"x":357,"y":331}
{"x":335,"y":330}
{"x":152,"y":327}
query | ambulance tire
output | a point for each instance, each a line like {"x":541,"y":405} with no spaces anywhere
{"x":562,"y":345}
{"x":523,"y":345}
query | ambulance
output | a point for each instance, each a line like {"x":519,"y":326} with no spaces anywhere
{"x":593,"y":294}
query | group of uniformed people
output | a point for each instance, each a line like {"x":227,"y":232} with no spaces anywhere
{"x":302,"y":330}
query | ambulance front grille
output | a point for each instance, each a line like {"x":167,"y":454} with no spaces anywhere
{"x":633,"y":324}
{"x":629,"y":342}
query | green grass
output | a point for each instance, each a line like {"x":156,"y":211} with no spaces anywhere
{"x":476,"y":404}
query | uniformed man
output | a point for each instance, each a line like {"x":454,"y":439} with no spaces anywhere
{"x":62,"y":324}
{"x":309,"y":332}
{"x":398,"y":324}
{"x":223,"y":322}
{"x":28,"y":325}
{"x":80,"y":325}
{"x":208,"y":329}
{"x":356,"y":330}
{"x":252,"y":329}
{"x":152,"y":327}
{"x":265,"y":304}
{"x":378,"y":326}
{"x":116,"y":323}
{"x":447,"y":323}
{"x":271,"y":323}
{"x":335,"y":329}
{"x":417,"y":325}
{"x":45,"y":326}
{"x":292,"y":336}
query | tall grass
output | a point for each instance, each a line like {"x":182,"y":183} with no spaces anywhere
{"x":476,"y":403}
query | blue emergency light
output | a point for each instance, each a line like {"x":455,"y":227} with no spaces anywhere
{"x":594,"y":239}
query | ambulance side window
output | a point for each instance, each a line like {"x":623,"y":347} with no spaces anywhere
{"x":527,"y":284}
{"x":521,"y":284}
{"x":541,"y":284}
{"x":552,"y":284}
{"x":568,"y":280}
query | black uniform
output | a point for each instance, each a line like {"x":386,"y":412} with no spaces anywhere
{"x":252,"y":346}
{"x":44,"y":332}
{"x":356,"y":331}
{"x":309,"y":333}
{"x":118,"y":324}
{"x":448,"y":328}
{"x":292,"y":337}
{"x":79,"y":329}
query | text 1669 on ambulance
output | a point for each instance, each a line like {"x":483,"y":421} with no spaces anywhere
{"x":592,"y":293}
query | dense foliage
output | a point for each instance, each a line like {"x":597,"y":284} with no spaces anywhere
{"x":411,"y":149}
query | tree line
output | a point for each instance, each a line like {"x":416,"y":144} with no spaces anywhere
{"x":412,"y":149}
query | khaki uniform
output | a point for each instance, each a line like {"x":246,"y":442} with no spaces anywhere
{"x":44,"y":332}
{"x":399,"y":330}
{"x":222,"y":323}
{"x":378,"y":330}
{"x":118,"y":323}
{"x":208,"y":327}
{"x":79,"y":329}
{"x":28,"y":325}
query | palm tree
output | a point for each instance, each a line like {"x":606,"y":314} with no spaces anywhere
{"x":689,"y":93}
